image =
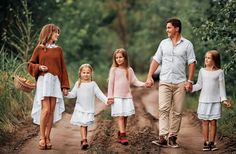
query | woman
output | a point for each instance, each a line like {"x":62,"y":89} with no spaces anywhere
{"x":48,"y":67}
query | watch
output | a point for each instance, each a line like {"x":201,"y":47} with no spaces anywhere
{"x":190,"y":81}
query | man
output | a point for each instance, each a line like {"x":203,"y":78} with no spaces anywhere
{"x":173,"y":54}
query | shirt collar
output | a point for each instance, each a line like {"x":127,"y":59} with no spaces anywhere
{"x":51,"y":45}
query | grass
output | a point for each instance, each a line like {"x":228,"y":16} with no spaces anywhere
{"x":15,"y":106}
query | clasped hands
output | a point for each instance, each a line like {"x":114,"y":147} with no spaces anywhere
{"x":187,"y":85}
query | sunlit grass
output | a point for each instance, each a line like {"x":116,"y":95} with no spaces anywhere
{"x":15,"y":105}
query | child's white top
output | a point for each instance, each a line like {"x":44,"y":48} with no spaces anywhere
{"x":85,"y":94}
{"x":212,"y":84}
{"x":119,"y":85}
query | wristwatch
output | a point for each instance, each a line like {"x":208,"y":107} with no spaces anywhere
{"x":190,"y":81}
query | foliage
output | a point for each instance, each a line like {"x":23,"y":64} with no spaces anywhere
{"x":19,"y":38}
{"x":16,"y":43}
{"x":14,"y":105}
{"x":85,"y":38}
{"x":218,"y":31}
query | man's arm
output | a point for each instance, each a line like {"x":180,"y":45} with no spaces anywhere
{"x":191,"y":70}
{"x":153,"y":66}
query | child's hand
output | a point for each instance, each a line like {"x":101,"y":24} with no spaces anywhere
{"x":149,"y":84}
{"x":110,"y":101}
{"x":65,"y":92}
{"x":227,"y":103}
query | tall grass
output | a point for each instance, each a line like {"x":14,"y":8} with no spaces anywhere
{"x":14,"y":105}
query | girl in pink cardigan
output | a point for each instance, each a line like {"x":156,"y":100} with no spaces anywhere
{"x":121,"y":76}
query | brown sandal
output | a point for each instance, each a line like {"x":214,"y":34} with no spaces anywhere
{"x":42,"y":145}
{"x":84,"y":144}
{"x":48,"y":143}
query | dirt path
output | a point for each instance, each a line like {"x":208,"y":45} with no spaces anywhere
{"x":141,"y":130}
{"x":65,"y":137}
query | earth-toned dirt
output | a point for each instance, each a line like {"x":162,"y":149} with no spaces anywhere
{"x":142,"y":128}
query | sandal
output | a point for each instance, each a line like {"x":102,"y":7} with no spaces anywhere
{"x":42,"y":145}
{"x":48,"y":143}
{"x":84,"y":144}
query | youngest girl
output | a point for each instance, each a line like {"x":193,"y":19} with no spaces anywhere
{"x":85,"y":90}
{"x":212,"y":84}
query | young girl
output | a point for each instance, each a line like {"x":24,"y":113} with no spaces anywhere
{"x":212,"y":84}
{"x":85,"y":90}
{"x":121,"y":76}
{"x":48,"y":67}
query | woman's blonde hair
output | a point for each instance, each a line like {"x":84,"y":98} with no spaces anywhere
{"x":216,"y":58}
{"x":46,"y":34}
{"x":80,"y":70}
{"x":126,"y":60}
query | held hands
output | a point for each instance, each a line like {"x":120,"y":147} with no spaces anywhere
{"x":110,"y":101}
{"x":227,"y":103}
{"x":65,"y":92}
{"x":43,"y":68}
{"x":188,"y":86}
{"x":149,"y":83}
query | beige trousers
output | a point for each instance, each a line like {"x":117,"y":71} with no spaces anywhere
{"x":171,"y":100}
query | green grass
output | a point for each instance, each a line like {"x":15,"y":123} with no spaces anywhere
{"x":15,"y":106}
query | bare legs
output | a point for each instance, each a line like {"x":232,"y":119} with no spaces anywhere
{"x":122,"y":123}
{"x":46,"y":121}
{"x":209,"y":133}
{"x":83,"y":132}
{"x":84,"y":142}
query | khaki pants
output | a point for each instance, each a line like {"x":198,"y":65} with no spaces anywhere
{"x":171,"y":100}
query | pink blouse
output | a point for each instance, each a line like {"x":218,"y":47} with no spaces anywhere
{"x":119,"y":85}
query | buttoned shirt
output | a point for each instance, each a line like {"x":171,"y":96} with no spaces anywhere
{"x":173,"y":59}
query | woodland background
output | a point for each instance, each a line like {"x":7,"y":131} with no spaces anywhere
{"x":91,"y":31}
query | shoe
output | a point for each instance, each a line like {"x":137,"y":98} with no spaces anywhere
{"x":84,"y":144}
{"x":206,"y":147}
{"x":172,"y":142}
{"x":42,"y":145}
{"x":48,"y":144}
{"x":213,"y":146}
{"x":162,"y":142}
{"x":123,"y":139}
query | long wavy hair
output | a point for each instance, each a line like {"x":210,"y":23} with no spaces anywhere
{"x":80,"y":70}
{"x":46,"y":34}
{"x":126,"y":60}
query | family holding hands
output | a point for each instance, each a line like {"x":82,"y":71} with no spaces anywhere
{"x":173,"y":54}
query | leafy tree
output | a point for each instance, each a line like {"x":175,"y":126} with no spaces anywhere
{"x":218,"y":31}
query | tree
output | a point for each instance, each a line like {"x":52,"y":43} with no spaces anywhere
{"x":218,"y":31}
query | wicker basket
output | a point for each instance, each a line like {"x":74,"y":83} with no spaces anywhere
{"x":21,"y":82}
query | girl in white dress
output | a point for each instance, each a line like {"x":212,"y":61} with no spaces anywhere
{"x":211,"y":82}
{"x":120,"y":78}
{"x":85,"y":90}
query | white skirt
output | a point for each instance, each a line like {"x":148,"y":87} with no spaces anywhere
{"x":48,"y":86}
{"x":81,"y":118}
{"x":209,"y":111}
{"x":122,"y":107}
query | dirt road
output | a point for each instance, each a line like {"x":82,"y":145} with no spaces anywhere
{"x":141,"y":130}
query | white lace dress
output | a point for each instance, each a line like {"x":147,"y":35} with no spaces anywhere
{"x":48,"y":86}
